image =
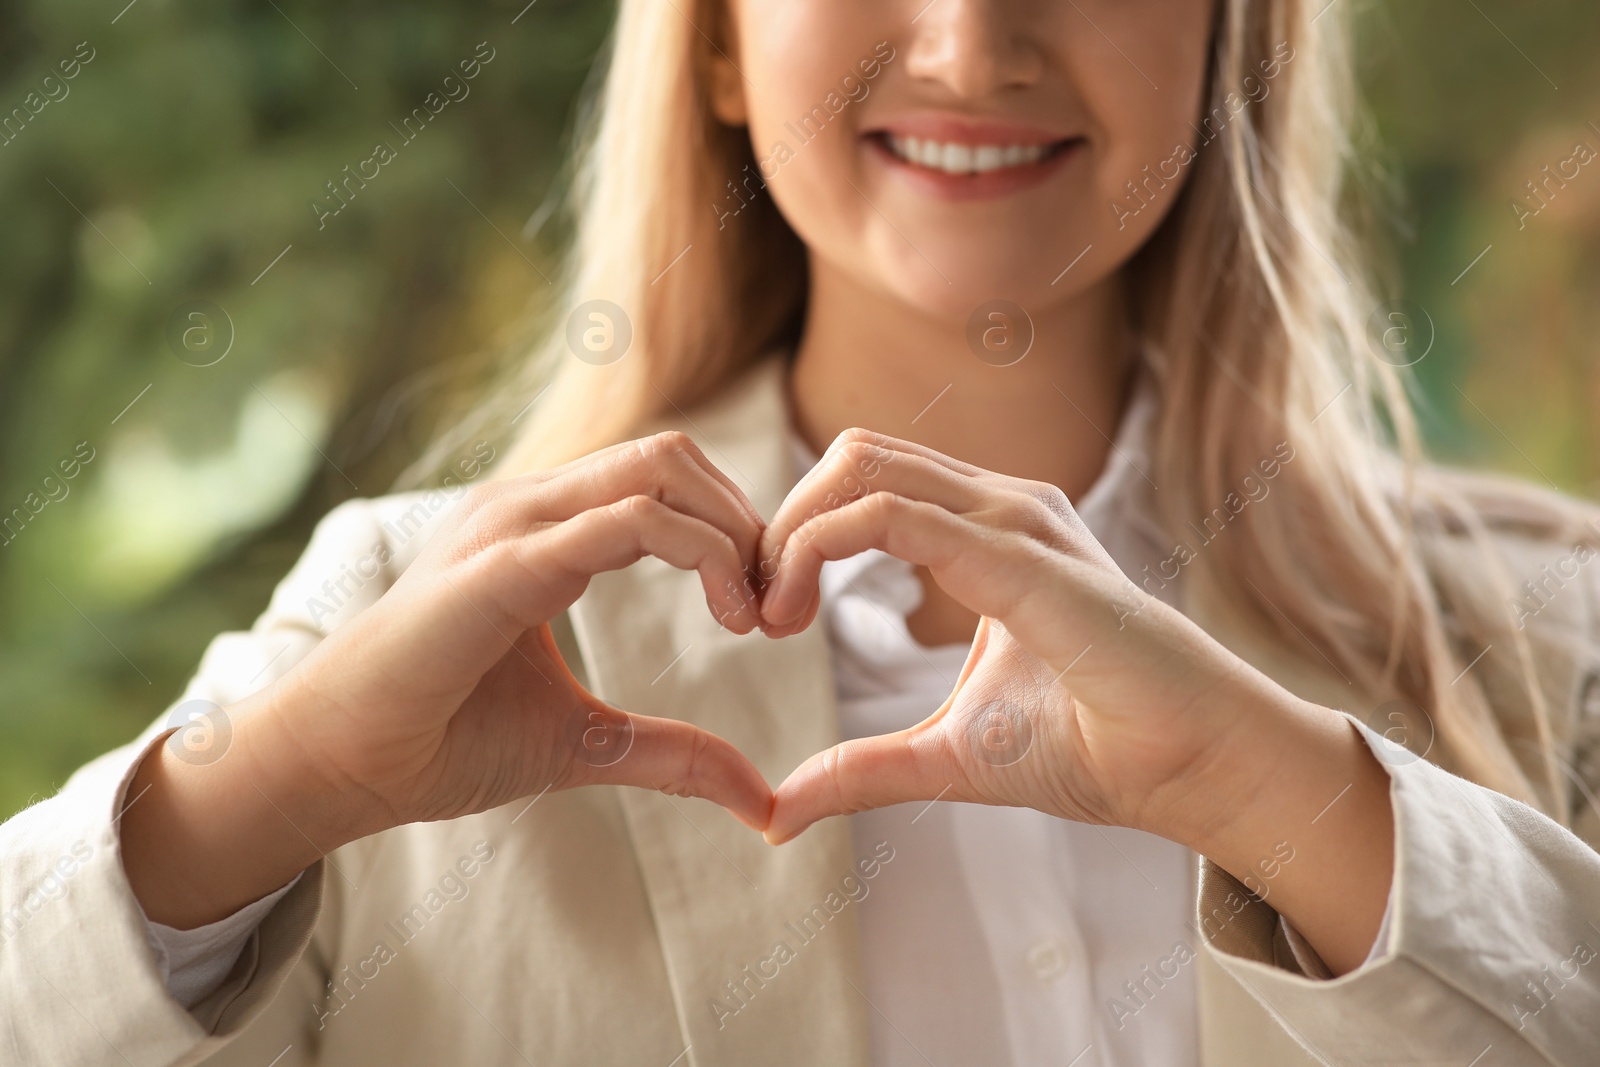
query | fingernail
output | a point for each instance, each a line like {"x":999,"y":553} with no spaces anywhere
{"x":773,"y":596}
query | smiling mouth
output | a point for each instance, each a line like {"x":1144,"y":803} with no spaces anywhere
{"x":949,"y":157}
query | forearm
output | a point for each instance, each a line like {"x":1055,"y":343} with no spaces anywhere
{"x":200,"y":841}
{"x":1297,"y":808}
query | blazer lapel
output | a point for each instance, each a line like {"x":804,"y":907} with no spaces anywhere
{"x":751,"y":982}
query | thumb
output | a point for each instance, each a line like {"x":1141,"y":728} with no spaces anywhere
{"x":617,"y":748}
{"x":613,"y":747}
{"x":870,"y":772}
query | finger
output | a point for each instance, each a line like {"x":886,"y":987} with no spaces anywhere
{"x":913,"y":448}
{"x":674,"y":757}
{"x":692,"y":450}
{"x":870,"y":772}
{"x":853,"y":468}
{"x":619,"y":534}
{"x":469,"y":609}
{"x":858,"y":435}
{"x":982,"y":567}
{"x":799,"y":623}
{"x":668,"y":466}
{"x":562,"y":558}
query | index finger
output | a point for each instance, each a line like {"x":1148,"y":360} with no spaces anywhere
{"x":856,"y":468}
{"x":696,"y":453}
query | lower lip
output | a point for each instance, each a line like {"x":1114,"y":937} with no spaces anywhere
{"x":988,"y":185}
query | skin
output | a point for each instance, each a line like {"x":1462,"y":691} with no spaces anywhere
{"x":447,"y":696}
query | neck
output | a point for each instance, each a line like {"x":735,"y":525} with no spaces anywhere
{"x":866,"y":359}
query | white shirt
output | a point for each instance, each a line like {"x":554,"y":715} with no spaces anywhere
{"x":1004,"y":935}
{"x":996,"y":935}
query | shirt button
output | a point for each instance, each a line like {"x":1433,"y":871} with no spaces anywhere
{"x":1047,"y":959}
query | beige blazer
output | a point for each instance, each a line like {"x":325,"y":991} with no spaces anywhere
{"x":601,"y":925}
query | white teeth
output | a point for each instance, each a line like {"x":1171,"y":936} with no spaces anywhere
{"x":963,"y":158}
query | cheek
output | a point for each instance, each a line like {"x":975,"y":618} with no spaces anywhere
{"x":787,"y":104}
{"x":804,"y":92}
{"x":1142,"y":124}
{"x":793,"y":55}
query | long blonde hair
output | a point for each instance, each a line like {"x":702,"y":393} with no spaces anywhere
{"x":1254,"y":298}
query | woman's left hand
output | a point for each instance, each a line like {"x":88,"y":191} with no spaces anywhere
{"x":1083,"y":696}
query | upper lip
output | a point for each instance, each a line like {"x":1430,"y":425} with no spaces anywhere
{"x":953,"y":128}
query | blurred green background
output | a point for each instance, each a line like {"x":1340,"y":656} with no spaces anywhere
{"x":179,"y":163}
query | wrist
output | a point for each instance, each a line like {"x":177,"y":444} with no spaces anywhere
{"x":1278,"y":756}
{"x":290,"y":756}
{"x":1292,"y":803}
{"x":203,"y":837}
{"x":1235,"y":732}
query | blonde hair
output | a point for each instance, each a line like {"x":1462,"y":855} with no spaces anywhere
{"x":1253,"y":298}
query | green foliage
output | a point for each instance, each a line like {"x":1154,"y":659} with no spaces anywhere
{"x":1472,"y":100}
{"x":176,"y":165}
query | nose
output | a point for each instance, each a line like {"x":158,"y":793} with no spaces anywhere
{"x":975,"y":48}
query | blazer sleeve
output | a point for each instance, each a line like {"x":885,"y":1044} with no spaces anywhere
{"x":1493,"y":951}
{"x":80,"y":977}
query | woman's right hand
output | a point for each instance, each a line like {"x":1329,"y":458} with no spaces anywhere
{"x":447,"y":696}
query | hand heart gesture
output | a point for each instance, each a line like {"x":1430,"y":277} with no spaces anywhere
{"x":1076,"y":697}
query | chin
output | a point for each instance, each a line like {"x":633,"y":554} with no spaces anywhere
{"x":969,"y":275}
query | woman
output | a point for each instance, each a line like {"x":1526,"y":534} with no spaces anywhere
{"x":1024,"y":346}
